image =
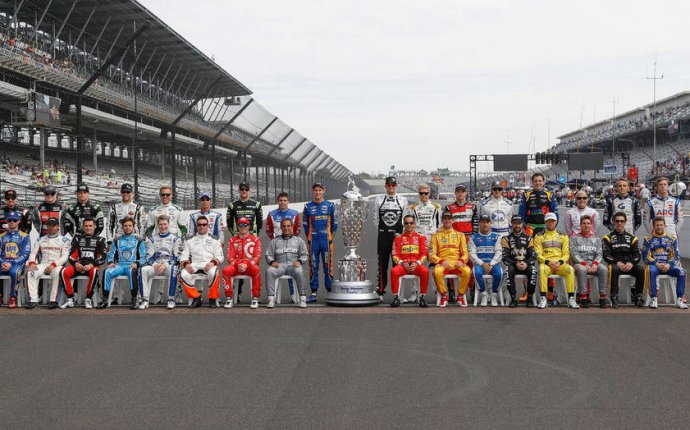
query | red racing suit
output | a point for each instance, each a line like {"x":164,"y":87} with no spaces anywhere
{"x":408,"y":248}
{"x":465,"y":218}
{"x":243,"y":250}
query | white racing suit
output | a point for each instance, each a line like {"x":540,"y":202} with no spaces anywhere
{"x":198,"y":251}
{"x":51,"y":251}
{"x":500,"y":211}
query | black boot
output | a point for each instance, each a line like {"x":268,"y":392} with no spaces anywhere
{"x":196,"y":303}
{"x":422,"y":302}
{"x":529,"y":302}
{"x":104,"y":300}
{"x":396,"y":301}
{"x":513,"y":302}
{"x":614,"y":302}
{"x":638,"y":300}
{"x":134,"y":306}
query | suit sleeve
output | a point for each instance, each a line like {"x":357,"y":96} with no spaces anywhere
{"x":141,"y":253}
{"x":68,"y":223}
{"x":531,"y":252}
{"x":100,"y":224}
{"x":607,"y":250}
{"x":305,"y":221}
{"x":396,"y":249}
{"x":554,"y":205}
{"x":303,"y":252}
{"x":423,"y":249}
{"x":256,"y":258}
{"x":112,"y":224}
{"x":111,"y":252}
{"x":565,"y":249}
{"x":598,"y":257}
{"x":100,"y":252}
{"x":637,"y":215}
{"x":538,"y":248}
{"x":24,"y":250}
{"x":259,"y":218}
{"x":64,"y":253}
{"x":497,"y":253}
{"x":150,"y":251}
{"x":74,"y":251}
{"x":507,"y":258}
{"x":472,"y":249}
{"x":679,"y":217}
{"x":675,"y":261}
{"x":230,"y":219}
{"x":463,"y":250}
{"x":334,"y":220}
{"x":270,"y":250}
{"x":574,"y":255}
{"x":647,"y":252}
{"x":433,"y":253}
{"x":269,"y":226}
{"x":217,"y":252}
{"x":635,"y":251}
{"x":522,"y":208}
{"x":296,"y":225}
{"x":184,"y":256}
{"x":34,"y":252}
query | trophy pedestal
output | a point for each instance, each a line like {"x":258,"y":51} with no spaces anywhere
{"x":352,"y":293}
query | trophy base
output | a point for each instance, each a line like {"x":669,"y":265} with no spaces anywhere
{"x":352,"y":293}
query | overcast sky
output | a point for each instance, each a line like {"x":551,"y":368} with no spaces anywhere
{"x":425,"y":84}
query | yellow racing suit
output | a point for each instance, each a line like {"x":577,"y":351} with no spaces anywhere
{"x":554,"y":246}
{"x":449,"y":246}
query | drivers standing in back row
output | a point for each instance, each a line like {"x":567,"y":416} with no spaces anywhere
{"x":498,"y":209}
{"x":388,"y":212}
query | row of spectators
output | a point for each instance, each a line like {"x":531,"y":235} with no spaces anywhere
{"x":620,"y":128}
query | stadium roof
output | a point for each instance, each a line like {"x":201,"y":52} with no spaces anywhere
{"x":104,"y":22}
{"x":660,"y":104}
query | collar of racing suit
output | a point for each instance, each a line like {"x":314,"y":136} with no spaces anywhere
{"x":286,"y":236}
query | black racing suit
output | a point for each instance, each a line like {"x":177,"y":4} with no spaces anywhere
{"x":73,"y":218}
{"x":533,"y":206}
{"x":84,"y":250}
{"x":623,"y":247}
{"x":24,"y":222}
{"x":520,"y":247}
{"x":389,"y":213}
{"x":250,"y":209}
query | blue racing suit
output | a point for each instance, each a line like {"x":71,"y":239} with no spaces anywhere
{"x":319,"y":226}
{"x":15,"y":247}
{"x":486,"y":248}
{"x":124,"y":251}
{"x":662,"y":249}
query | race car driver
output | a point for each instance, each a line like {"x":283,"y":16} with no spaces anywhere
{"x":409,"y":253}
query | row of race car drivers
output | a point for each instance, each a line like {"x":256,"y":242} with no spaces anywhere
{"x":536,"y":211}
{"x":389,"y":209}
{"x":74,"y":234}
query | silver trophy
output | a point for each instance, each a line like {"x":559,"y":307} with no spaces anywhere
{"x":351,"y":288}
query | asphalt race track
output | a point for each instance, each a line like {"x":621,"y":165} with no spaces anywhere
{"x":333,"y":367}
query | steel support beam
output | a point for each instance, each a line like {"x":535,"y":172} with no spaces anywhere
{"x":304,"y":139}
{"x":261,"y":132}
{"x":234,"y":117}
{"x":100,"y":34}
{"x":280,"y":143}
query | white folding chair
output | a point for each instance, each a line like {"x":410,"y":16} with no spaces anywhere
{"x":559,"y":282}
{"x":488,"y":283}
{"x":668,"y":284}
{"x":196,"y":278}
{"x":279,"y":289}
{"x":19,"y":287}
{"x":157,"y":289}
{"x":535,"y":296}
{"x":113,"y":285}
{"x":630,"y":281}
{"x":235,"y":291}
{"x":401,"y":284}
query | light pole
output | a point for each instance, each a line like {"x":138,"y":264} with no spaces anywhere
{"x":654,"y":78}
{"x":613,"y":131}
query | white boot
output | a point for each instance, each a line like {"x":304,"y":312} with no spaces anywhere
{"x":494,"y":299}
{"x":271,"y":302}
{"x":485,"y":299}
{"x":680,"y":304}
{"x":302,"y":301}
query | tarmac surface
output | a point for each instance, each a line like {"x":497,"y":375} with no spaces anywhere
{"x":337,"y":367}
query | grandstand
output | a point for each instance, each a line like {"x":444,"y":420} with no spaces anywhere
{"x":157,"y":109}
{"x":630,"y":133}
